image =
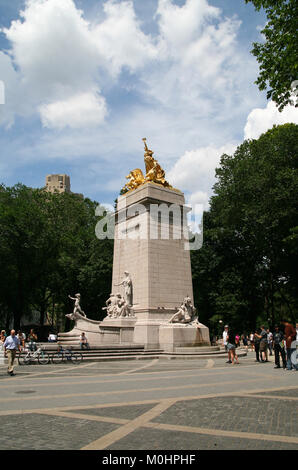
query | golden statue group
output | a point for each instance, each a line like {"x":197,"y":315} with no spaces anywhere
{"x":154,"y":173}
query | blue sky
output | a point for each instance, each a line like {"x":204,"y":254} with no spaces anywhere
{"x":85,"y":80}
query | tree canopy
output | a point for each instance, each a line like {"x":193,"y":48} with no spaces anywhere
{"x":48,"y":249}
{"x":277,"y":55}
{"x":245,"y":270}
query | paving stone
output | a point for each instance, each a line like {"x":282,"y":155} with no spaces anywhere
{"x":282,"y":393}
{"x":123,"y":412}
{"x":242,"y":414}
{"x":152,"y":439}
{"x":272,"y":416}
{"x":40,"y":432}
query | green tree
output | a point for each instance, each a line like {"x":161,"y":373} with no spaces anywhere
{"x":277,"y":56}
{"x":25,"y":246}
{"x":250,"y":233}
{"x":48,"y":249}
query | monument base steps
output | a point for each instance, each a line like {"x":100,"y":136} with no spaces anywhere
{"x":138,"y":352}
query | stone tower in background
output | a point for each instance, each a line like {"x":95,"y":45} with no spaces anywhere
{"x":58,"y":183}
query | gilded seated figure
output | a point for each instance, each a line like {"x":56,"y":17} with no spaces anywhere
{"x":154,"y":173}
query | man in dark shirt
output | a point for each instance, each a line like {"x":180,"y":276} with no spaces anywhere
{"x":263,"y":344}
{"x":279,"y":348}
{"x":257,"y":339}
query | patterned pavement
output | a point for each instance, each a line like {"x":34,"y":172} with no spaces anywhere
{"x":150,"y":405}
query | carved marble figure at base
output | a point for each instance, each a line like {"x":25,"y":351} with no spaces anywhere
{"x":77,"y":311}
{"x":117,"y":307}
{"x":186,"y":313}
{"x":122,"y":307}
{"x":111,"y":306}
{"x":127,"y":283}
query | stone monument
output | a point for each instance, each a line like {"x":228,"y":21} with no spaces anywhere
{"x":151,"y":269}
{"x":151,"y":244}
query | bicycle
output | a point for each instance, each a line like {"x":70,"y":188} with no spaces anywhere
{"x":40,"y":355}
{"x":64,"y":355}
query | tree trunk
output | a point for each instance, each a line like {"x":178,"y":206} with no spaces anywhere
{"x":17,"y":320}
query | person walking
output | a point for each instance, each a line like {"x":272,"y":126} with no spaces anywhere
{"x":11,"y":345}
{"x":232,"y":346}
{"x":225,"y":342}
{"x":279,"y":348}
{"x":290,"y":337}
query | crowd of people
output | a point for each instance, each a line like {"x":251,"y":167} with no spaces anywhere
{"x":283,"y":342}
{"x":14,"y":342}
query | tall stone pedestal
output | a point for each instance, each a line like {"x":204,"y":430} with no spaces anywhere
{"x":151,"y":244}
{"x":151,"y":277}
{"x":117,"y":331}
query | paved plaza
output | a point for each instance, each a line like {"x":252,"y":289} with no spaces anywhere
{"x":160,"y":404}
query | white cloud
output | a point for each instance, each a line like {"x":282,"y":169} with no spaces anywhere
{"x":82,"y":110}
{"x":52,"y":47}
{"x":194,"y":174}
{"x":199,"y":202}
{"x":60,"y":56}
{"x":199,"y":70}
{"x":120,"y":41}
{"x":187,"y":85}
{"x":195,"y":170}
{"x":8,"y":77}
{"x":180,"y":26}
{"x":260,"y":120}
